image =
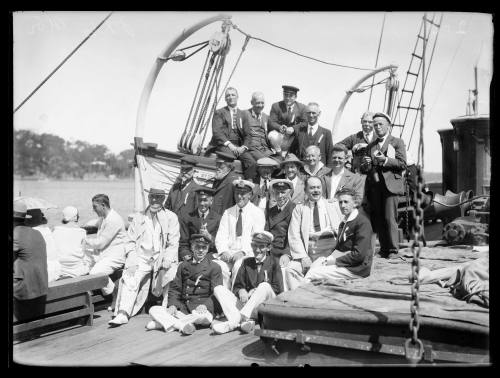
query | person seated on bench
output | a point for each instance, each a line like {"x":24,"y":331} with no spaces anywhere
{"x":353,"y":255}
{"x":258,"y":280}
{"x":38,"y":222}
{"x":190,"y":297}
{"x":109,"y":242}
{"x":152,"y":253}
{"x":70,"y":239}
{"x":30,"y":267}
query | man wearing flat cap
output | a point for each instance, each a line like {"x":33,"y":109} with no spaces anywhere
{"x":223,"y":183}
{"x":151,"y":248}
{"x":291,"y":168}
{"x":266,"y":167}
{"x":287,"y":116}
{"x":238,"y":223}
{"x":190,"y":297}
{"x":258,"y":280}
{"x":30,"y":276}
{"x":203,"y":220}
{"x":384,"y":163}
{"x":181,"y":194}
{"x":255,"y":136}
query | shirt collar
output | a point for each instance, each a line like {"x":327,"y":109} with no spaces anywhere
{"x":201,"y":215}
{"x":339,"y":174}
{"x":318,"y":167}
{"x":281,"y":208}
{"x":383,"y":138}
{"x":368,"y":136}
{"x":254,"y":115}
{"x":352,"y":216}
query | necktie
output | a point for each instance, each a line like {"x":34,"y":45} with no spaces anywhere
{"x":310,"y":132}
{"x":380,"y":140}
{"x":239,"y":227}
{"x":155,"y":221}
{"x":235,"y":125}
{"x":317,"y":226}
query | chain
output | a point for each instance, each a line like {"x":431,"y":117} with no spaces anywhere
{"x":414,"y":353}
{"x":407,"y":217}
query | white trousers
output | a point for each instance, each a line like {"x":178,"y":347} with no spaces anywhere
{"x":107,"y":264}
{"x":170,"y":322}
{"x":228,"y":301}
{"x":229,"y":271}
{"x":295,"y":275}
{"x":329,"y":272}
{"x":130,"y":285}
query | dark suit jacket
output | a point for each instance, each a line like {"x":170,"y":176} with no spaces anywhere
{"x":391,"y":175}
{"x":322,"y":139}
{"x":194,"y":285}
{"x":181,"y":199}
{"x":357,"y":246}
{"x":277,"y":223}
{"x":352,"y":140}
{"x":224,"y":193}
{"x":251,"y":138}
{"x":249,"y":278}
{"x":221,"y":126}
{"x":30,"y":263}
{"x":349,"y":180}
{"x":279,"y":116}
{"x":190,"y":223}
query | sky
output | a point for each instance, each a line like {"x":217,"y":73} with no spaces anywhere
{"x":95,"y":95}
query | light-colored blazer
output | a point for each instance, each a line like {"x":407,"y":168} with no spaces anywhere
{"x":298,"y":231}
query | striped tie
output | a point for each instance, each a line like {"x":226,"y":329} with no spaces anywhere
{"x":235,"y":119}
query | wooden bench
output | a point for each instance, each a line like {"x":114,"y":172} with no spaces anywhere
{"x":67,"y":299}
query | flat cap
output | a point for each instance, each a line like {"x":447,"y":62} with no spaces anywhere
{"x":205,"y":191}
{"x":289,"y":88}
{"x":291,"y":158}
{"x":243,"y":184}
{"x":267,"y":162}
{"x":384,"y":115}
{"x":200,"y":238}
{"x":281,"y":184}
{"x":262,"y":237}
{"x":188,"y":161}
{"x":224,"y":157}
{"x":156,"y":191}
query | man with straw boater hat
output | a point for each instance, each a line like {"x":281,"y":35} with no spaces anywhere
{"x":152,"y":254}
{"x":30,"y":267}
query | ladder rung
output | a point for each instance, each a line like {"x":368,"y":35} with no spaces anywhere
{"x":419,"y":36}
{"x":432,"y":22}
{"x":412,"y":73}
{"x":407,"y":90}
{"x":408,"y":107}
{"x":416,"y":56}
{"x":395,"y":125}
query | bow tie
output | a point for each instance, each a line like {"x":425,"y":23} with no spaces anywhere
{"x":380,"y":140}
{"x":259,"y":263}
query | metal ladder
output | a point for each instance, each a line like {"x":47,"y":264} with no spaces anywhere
{"x":407,"y":101}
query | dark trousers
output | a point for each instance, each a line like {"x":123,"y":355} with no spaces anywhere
{"x":384,"y":216}
{"x":29,"y":308}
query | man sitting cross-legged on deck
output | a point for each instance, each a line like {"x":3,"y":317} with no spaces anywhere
{"x":353,"y":255}
{"x":190,"y":297}
{"x":258,"y":280}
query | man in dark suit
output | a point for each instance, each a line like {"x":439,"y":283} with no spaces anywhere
{"x":258,"y":280}
{"x":200,"y":221}
{"x":223,"y":182}
{"x":30,"y":267}
{"x":227,"y":128}
{"x":181,"y":194}
{"x":277,"y":222}
{"x":384,"y":163}
{"x":287,"y":116}
{"x":313,"y":134}
{"x":356,"y":143}
{"x":291,"y":167}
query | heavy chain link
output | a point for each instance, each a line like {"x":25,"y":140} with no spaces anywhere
{"x":414,"y":353}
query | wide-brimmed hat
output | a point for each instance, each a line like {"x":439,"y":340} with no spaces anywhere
{"x":277,"y":184}
{"x":262,"y":237}
{"x":243,"y":184}
{"x":156,"y":191}
{"x":20,"y":210}
{"x":291,"y":158}
{"x":267,"y":162}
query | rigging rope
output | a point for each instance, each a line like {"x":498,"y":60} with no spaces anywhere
{"x":376,"y":61}
{"x":64,"y":61}
{"x":299,"y":54}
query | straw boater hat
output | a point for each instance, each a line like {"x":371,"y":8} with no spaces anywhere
{"x":156,"y":191}
{"x":383,"y":115}
{"x":262,"y":237}
{"x":267,"y":162}
{"x":20,"y":210}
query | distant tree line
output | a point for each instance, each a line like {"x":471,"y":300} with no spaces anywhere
{"x":47,"y":155}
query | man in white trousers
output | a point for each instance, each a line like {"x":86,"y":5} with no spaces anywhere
{"x":152,"y":254}
{"x":109,"y":243}
{"x":190,"y":297}
{"x":259,"y":279}
{"x":234,"y":237}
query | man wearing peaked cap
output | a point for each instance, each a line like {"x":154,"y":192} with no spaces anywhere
{"x":384,"y":163}
{"x":181,"y":196}
{"x":258,"y":280}
{"x":233,"y":239}
{"x":202,"y":220}
{"x":151,"y":248}
{"x":265,"y":168}
{"x":190,"y":298}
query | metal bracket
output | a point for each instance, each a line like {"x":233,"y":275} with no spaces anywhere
{"x":301,"y":340}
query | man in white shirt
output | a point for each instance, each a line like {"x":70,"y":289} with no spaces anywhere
{"x":152,"y":244}
{"x":238,"y":223}
{"x":109,"y":242}
{"x":312,"y":232}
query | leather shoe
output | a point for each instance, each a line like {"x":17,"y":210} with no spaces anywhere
{"x":247,"y":326}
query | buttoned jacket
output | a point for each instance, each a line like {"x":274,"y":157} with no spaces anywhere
{"x":248,"y":277}
{"x":349,"y":180}
{"x":222,"y":126}
{"x":190,"y":224}
{"x":277,"y":223}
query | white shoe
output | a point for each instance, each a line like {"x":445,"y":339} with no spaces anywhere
{"x":247,"y":326}
{"x":153,"y":324}
{"x":188,"y":329}
{"x":119,"y":319}
{"x":223,"y":327}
